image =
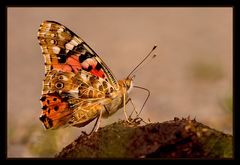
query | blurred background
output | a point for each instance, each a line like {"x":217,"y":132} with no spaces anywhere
{"x":190,"y":76}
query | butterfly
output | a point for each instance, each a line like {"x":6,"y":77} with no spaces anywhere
{"x":78,"y":86}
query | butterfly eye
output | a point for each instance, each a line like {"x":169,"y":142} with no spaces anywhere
{"x":59,"y":85}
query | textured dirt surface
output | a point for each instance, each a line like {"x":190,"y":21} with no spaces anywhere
{"x":183,"y":138}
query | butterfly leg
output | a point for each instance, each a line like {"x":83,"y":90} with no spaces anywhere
{"x":134,"y":108}
{"x":97,"y":124}
{"x":94,"y":126}
{"x":137,"y":119}
{"x":99,"y":120}
{"x":124,"y":107}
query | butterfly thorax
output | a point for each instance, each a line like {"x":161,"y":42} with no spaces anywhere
{"x":117,"y":97}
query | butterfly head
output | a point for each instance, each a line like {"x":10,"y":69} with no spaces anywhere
{"x":126,"y":85}
{"x":129,"y":84}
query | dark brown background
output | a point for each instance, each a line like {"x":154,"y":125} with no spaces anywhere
{"x":191,"y":75}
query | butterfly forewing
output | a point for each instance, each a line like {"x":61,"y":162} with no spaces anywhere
{"x":64,"y":50}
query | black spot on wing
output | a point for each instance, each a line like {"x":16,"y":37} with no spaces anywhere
{"x":50,"y":122}
{"x":111,"y":89}
{"x":98,"y":66}
{"x":78,"y":48}
{"x":63,"y":55}
{"x":62,"y":58}
{"x":88,"y":69}
{"x":44,"y":107}
{"x":70,"y":122}
{"x":43,"y":118}
{"x":62,"y":51}
{"x":43,"y":98}
{"x":56,"y":108}
{"x":85,"y":56}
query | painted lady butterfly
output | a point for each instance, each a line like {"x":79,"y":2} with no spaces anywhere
{"x":78,"y":86}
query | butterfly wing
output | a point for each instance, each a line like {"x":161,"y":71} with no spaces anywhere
{"x":64,"y":50}
{"x":57,"y":112}
{"x":86,"y":110}
{"x":77,"y":80}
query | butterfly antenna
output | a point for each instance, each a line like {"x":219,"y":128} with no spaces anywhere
{"x":154,"y":47}
{"x":145,"y":99}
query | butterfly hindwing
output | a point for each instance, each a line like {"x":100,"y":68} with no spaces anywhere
{"x":72,"y":99}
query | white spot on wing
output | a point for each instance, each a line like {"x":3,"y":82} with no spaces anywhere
{"x":79,"y":41}
{"x":73,"y":42}
{"x":69,"y":46}
{"x":84,"y":77}
{"x":56,"y":49}
{"x":47,"y":26}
